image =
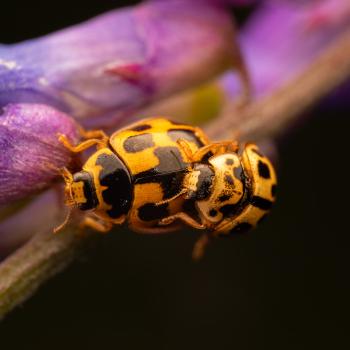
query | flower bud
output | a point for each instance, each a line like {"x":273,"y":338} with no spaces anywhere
{"x":31,"y":154}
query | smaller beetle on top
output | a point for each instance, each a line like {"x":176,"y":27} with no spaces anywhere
{"x":156,"y":175}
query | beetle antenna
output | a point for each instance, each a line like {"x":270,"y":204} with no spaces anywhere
{"x":65,"y":222}
{"x":66,"y":174}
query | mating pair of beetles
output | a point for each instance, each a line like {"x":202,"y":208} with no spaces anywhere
{"x":157,"y":175}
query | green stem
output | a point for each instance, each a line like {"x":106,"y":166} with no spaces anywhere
{"x":30,"y":266}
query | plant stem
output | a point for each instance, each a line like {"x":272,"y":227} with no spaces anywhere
{"x":273,"y":114}
{"x":30,"y":266}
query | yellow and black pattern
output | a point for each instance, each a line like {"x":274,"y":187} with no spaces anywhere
{"x":227,"y":192}
{"x":157,"y":165}
{"x":112,"y":185}
{"x":156,"y":175}
{"x":261,"y":184}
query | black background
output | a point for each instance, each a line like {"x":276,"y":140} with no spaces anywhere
{"x":283,"y":286}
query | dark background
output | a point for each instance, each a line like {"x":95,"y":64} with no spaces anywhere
{"x":283,"y":286}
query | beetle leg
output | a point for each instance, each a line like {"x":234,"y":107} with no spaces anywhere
{"x":96,"y":224}
{"x":183,"y":191}
{"x":200,"y":246}
{"x":225,"y":146}
{"x":81,"y":146}
{"x":185,"y":146}
{"x":93,"y":134}
{"x":184,"y":218}
{"x":154,"y":230}
{"x":66,"y":174}
{"x":216,"y":148}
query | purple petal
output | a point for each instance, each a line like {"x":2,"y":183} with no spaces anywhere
{"x":30,"y":151}
{"x":121,"y":60}
{"x":42,"y":213}
{"x":226,"y":2}
{"x":282,"y":37}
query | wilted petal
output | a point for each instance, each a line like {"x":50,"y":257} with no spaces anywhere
{"x":30,"y":151}
{"x":121,"y":60}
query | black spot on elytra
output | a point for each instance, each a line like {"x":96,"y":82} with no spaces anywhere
{"x":264,"y":170}
{"x":242,"y":227}
{"x":213,"y":212}
{"x":229,"y":179}
{"x":115,"y":176}
{"x":169,"y":173}
{"x":184,"y":134}
{"x":138,"y":143}
{"x":150,"y":211}
{"x":141,"y":127}
{"x":273,"y":190}
{"x":88,"y":188}
{"x":229,"y":161}
{"x":224,"y":197}
{"x":261,"y":203}
{"x":228,"y":210}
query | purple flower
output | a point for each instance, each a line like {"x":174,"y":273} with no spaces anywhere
{"x":30,"y":151}
{"x":282,"y":37}
{"x":279,"y":40}
{"x":120,"y":61}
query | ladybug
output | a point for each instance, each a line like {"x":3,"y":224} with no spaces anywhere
{"x":156,"y":175}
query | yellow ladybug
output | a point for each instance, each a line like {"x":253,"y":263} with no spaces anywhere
{"x":156,"y":175}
